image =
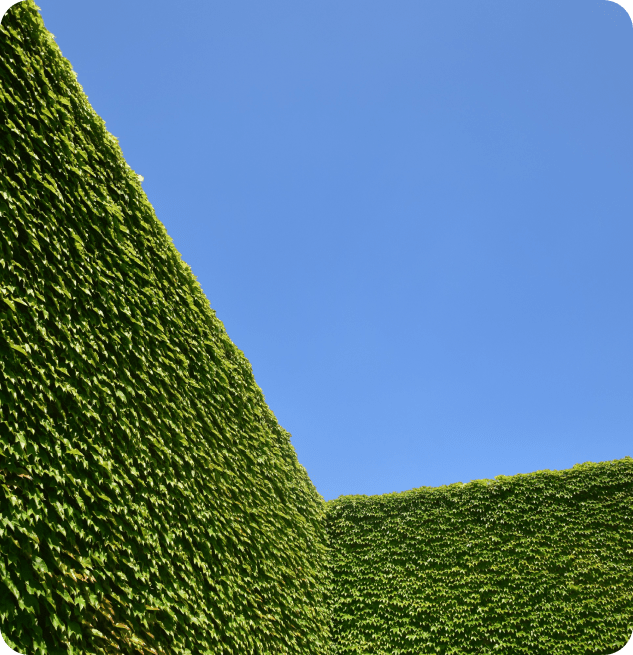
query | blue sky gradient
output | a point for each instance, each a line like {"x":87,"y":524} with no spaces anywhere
{"x":413,"y":217}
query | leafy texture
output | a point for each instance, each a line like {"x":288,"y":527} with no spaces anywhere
{"x":149,"y":500}
{"x":537,"y":564}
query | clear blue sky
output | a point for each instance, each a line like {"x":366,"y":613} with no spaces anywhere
{"x":413,"y":217}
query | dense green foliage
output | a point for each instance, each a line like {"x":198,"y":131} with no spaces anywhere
{"x":151,"y":503}
{"x":149,"y":500}
{"x":539,"y":563}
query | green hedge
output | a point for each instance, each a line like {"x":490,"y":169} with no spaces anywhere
{"x":149,"y":500}
{"x":539,"y":563}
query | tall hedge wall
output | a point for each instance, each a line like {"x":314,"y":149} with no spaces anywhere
{"x":149,"y":500}
{"x":540,"y":564}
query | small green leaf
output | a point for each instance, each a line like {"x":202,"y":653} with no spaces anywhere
{"x":20,"y":349}
{"x":34,"y":242}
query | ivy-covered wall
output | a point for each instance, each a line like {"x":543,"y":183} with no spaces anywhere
{"x":540,"y":564}
{"x":149,"y":500}
{"x":151,"y":503}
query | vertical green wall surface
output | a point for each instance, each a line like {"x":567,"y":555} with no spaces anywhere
{"x":149,"y":500}
{"x":540,"y":564}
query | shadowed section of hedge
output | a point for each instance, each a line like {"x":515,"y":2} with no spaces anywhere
{"x":149,"y":500}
